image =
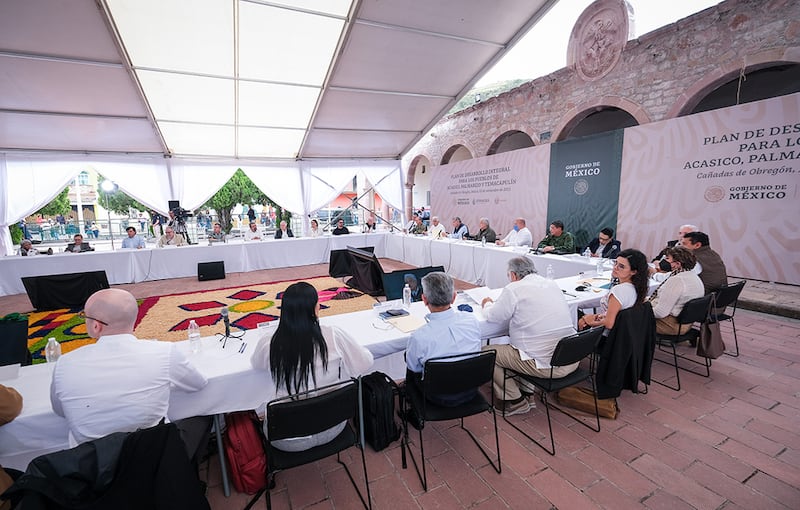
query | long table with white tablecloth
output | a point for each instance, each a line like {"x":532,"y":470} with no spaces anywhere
{"x":133,"y":266}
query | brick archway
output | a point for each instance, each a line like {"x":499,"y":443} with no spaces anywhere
{"x":507,"y":131}
{"x":574,"y":117}
{"x":457,"y":144}
{"x":692,"y":96}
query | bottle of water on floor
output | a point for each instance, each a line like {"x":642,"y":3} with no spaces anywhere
{"x":194,"y":337}
{"x":407,"y":297}
{"x":52,"y":351}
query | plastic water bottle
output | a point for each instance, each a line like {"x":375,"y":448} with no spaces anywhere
{"x":599,"y":268}
{"x":551,"y":274}
{"x":587,"y":253}
{"x":483,"y":241}
{"x":407,"y":297}
{"x":52,"y":351}
{"x":194,"y":337}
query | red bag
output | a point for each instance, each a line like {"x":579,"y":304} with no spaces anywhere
{"x":244,"y":451}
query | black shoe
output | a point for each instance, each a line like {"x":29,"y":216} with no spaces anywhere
{"x":410,"y":417}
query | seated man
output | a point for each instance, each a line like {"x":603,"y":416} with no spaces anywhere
{"x":538,"y":317}
{"x":411,"y":280}
{"x":604,"y":245}
{"x":519,"y":236}
{"x":121,"y":383}
{"x":283,"y":231}
{"x":133,"y":241}
{"x":26,"y":249}
{"x":460,"y":230}
{"x":77,"y":245}
{"x":557,"y":240}
{"x":436,"y":230}
{"x":170,"y":238}
{"x":682,"y":231}
{"x":448,"y":332}
{"x":252,"y":233}
{"x":340,"y":228}
{"x":412,"y":222}
{"x":486,"y":233}
{"x":419,"y":228}
{"x":369,"y":226}
{"x":217,"y":235}
{"x":710,"y":267}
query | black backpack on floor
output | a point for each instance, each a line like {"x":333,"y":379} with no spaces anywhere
{"x":380,"y":427}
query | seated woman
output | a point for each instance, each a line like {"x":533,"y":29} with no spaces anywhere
{"x":632,"y":272}
{"x":314,"y":231}
{"x":302,"y":355}
{"x":681,"y":285}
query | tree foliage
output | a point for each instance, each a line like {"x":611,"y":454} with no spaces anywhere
{"x":59,"y":205}
{"x":118,"y":201}
{"x":239,"y":190}
{"x":486,"y":92}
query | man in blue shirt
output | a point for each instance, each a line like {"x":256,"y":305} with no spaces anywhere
{"x":132,"y":242}
{"x":448,"y":332}
{"x":460,"y":231}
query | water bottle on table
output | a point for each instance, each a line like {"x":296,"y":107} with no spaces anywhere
{"x":194,"y":337}
{"x":483,"y":240}
{"x":551,"y":274}
{"x":52,"y":350}
{"x":599,"y":268}
{"x":587,"y":253}
{"x":407,"y":297}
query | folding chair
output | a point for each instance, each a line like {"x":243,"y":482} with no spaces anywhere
{"x":695,"y":310}
{"x":726,"y":296}
{"x":449,"y":375}
{"x":310,"y":413}
{"x":570,"y":349}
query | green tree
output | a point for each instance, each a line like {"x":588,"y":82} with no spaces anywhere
{"x":240,"y":190}
{"x":119,"y":201}
{"x":59,"y":205}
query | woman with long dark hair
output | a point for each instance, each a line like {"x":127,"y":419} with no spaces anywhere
{"x":631,"y":270}
{"x":302,"y":355}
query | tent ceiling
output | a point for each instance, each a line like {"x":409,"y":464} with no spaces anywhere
{"x":243,"y":78}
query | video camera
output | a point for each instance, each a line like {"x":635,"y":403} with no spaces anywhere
{"x":180,"y":213}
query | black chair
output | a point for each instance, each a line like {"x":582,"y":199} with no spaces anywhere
{"x":726,"y":296}
{"x":695,"y":310}
{"x":14,"y":341}
{"x":570,"y":349}
{"x":449,"y":375}
{"x":310,"y":413}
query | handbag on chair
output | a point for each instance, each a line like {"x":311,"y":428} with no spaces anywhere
{"x":710,"y":344}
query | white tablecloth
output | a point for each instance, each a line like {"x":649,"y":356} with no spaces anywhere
{"x":133,"y":266}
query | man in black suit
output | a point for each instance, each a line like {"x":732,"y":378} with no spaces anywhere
{"x":604,"y":245}
{"x":283,"y":231}
{"x":78,"y":246}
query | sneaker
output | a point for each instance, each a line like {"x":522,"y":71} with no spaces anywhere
{"x":521,"y":407}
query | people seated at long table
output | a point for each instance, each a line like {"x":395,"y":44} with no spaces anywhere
{"x":252,"y":233}
{"x":302,"y":355}
{"x":436,"y":230}
{"x":557,"y":240}
{"x":121,"y":383}
{"x":662,"y":264}
{"x":460,"y":230}
{"x":538,"y":317}
{"x":711,"y":268}
{"x":133,"y":241}
{"x":217,"y":235}
{"x":518,"y":236}
{"x":26,"y":249}
{"x":283,"y":232}
{"x":340,"y":228}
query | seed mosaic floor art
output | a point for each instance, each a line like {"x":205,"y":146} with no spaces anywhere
{"x":167,"y":317}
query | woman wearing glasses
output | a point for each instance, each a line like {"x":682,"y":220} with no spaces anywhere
{"x":630,"y":270}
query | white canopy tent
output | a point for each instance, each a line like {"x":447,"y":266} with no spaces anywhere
{"x":186,"y":91}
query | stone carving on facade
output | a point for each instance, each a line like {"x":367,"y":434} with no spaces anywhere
{"x":598,"y":38}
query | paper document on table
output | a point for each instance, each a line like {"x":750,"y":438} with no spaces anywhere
{"x":407,"y":323}
{"x":479,"y":293}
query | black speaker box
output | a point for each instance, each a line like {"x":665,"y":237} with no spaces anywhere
{"x":210,"y":271}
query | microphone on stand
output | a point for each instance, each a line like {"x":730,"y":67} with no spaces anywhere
{"x":227,"y":320}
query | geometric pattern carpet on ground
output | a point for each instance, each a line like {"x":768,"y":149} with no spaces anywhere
{"x":167,"y":317}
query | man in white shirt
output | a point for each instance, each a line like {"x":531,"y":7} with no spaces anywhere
{"x":26,"y":249}
{"x":121,"y":383}
{"x":252,"y":234}
{"x":519,"y":236}
{"x":538,"y":317}
{"x":436,"y":230}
